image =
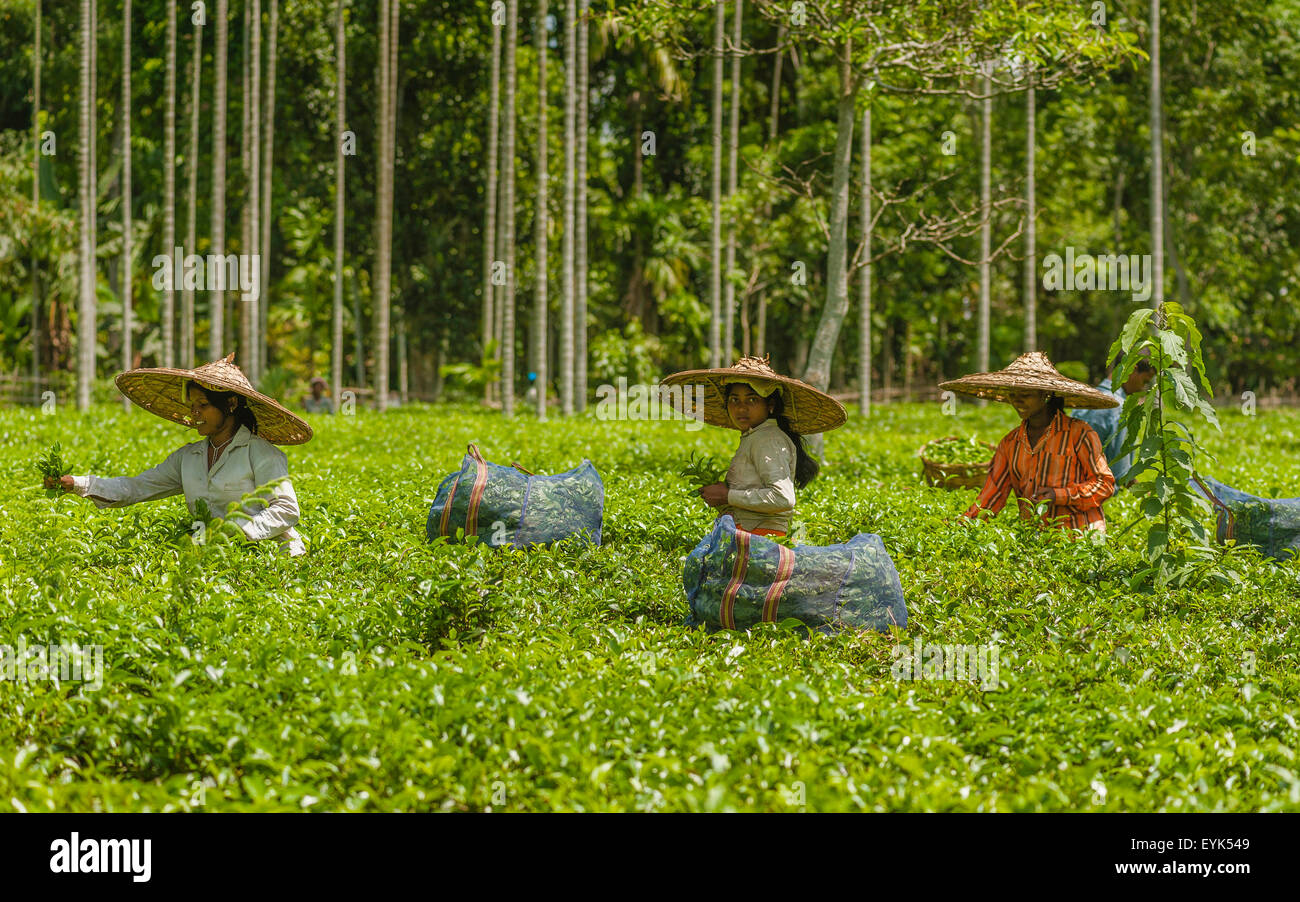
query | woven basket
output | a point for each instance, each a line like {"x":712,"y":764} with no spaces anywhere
{"x":954,"y":476}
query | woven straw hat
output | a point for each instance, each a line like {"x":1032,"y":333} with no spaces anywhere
{"x":809,"y":410}
{"x":1030,"y":372}
{"x":160,"y":390}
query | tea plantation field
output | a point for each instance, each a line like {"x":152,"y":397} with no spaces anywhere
{"x":380,"y":672}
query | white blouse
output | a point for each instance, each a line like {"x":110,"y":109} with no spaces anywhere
{"x":760,"y":480}
{"x":248,"y":462}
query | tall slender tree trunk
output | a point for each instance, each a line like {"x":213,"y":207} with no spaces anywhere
{"x":240,"y":308}
{"x":250,"y":151}
{"x":36,"y":204}
{"x":540,"y":220}
{"x":1031,"y":227}
{"x":499,"y":292}
{"x":822,"y":351}
{"x":220,"y":52}
{"x":908,"y":338}
{"x":391,"y":217}
{"x":864,"y":287}
{"x":986,"y":228}
{"x":715,"y":233}
{"x":490,"y":205}
{"x":1157,"y":166}
{"x":358,"y":331}
{"x":254,"y":303}
{"x":340,"y":125}
{"x":887,"y":364}
{"x":383,"y":277}
{"x":379,"y":279}
{"x":128,"y":314}
{"x":745,"y":348}
{"x":570,"y":111}
{"x":169,"y":192}
{"x":760,"y":339}
{"x":403,"y":371}
{"x":508,"y":217}
{"x":636,"y":287}
{"x":192,"y":165}
{"x":264,"y":220}
{"x":580,"y":220}
{"x":729,"y":286}
{"x":86,"y":328}
{"x":394,"y":43}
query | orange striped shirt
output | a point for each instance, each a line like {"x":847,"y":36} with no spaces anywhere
{"x":1069,"y":461}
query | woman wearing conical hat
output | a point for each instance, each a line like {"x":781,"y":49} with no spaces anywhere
{"x":1049,"y":457}
{"x":773,"y":413}
{"x":236,"y":455}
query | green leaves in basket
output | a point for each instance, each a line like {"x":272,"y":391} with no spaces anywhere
{"x":957,"y":451}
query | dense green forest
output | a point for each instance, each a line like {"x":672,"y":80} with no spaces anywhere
{"x":661,"y":282}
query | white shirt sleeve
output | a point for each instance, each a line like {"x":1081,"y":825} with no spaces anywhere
{"x":162,"y":481}
{"x":270,"y":465}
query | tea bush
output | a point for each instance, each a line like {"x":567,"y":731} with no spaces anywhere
{"x":381,"y":672}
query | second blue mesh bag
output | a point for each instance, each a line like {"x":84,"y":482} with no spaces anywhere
{"x":511,"y":506}
{"x":1271,"y":524}
{"x":735,"y":579}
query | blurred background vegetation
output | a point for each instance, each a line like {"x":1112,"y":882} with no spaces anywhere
{"x":1232,"y":223}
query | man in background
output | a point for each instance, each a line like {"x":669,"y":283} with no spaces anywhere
{"x":1107,"y":421}
{"x":319,"y":402}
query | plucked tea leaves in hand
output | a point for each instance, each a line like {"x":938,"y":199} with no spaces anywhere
{"x":703,"y":470}
{"x":52,"y":466}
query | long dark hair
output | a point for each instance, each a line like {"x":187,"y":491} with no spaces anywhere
{"x":1056,"y":404}
{"x":805,"y":465}
{"x":221,"y":400}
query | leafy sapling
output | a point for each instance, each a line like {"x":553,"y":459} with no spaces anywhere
{"x":1166,"y":450}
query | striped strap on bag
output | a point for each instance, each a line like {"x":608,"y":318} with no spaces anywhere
{"x":772,"y":600}
{"x":475,"y":495}
{"x":784,"y":570}
{"x":446,"y":507}
{"x":727,"y":612}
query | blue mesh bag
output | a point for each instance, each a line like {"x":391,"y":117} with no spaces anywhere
{"x":735,"y":579}
{"x":511,"y":506}
{"x":1271,"y":524}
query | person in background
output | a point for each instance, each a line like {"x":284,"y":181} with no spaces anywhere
{"x":1050,"y":458}
{"x":1106,"y":421}
{"x":530,"y":395}
{"x":319,"y":402}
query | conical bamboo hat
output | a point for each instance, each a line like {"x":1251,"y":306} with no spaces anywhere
{"x":809,"y":410}
{"x":1032,"y":372}
{"x":161,"y":391}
